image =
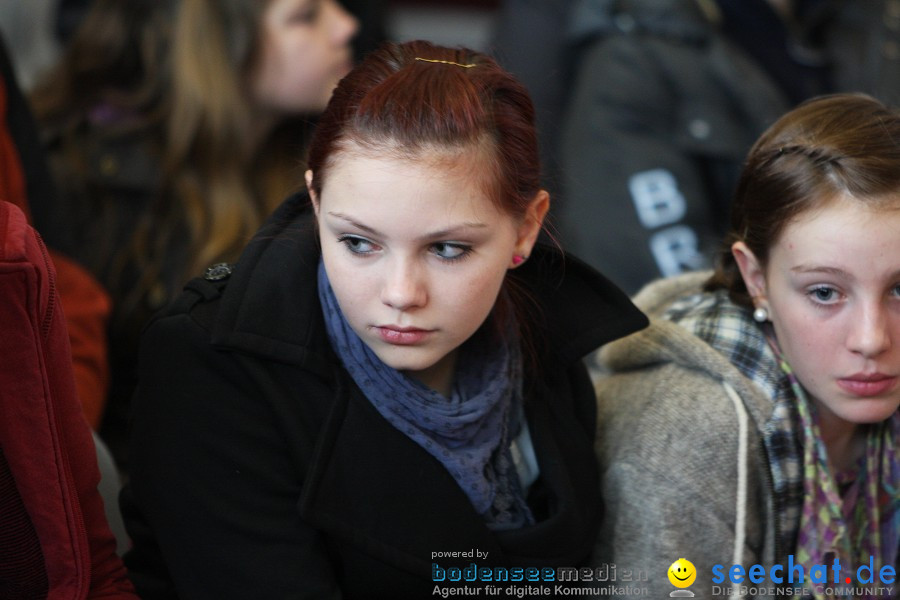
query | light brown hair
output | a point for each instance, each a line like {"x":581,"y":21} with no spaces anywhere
{"x":837,"y":145}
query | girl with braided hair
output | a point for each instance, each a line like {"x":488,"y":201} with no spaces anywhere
{"x":762,"y":401}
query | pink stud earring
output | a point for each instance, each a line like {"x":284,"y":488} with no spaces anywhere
{"x":518,"y":259}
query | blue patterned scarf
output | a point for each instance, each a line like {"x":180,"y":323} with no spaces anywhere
{"x":469,"y":433}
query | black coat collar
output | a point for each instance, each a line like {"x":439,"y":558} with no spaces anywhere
{"x":396,"y":502}
{"x":368,"y":486}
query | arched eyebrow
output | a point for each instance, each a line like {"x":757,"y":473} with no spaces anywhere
{"x":451,"y":232}
{"x":448,"y":232}
{"x":801,"y":269}
{"x":804,"y":269}
{"x":355,"y":223}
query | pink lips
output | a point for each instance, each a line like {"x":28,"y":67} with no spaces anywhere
{"x":865,"y":385}
{"x":401,"y":336}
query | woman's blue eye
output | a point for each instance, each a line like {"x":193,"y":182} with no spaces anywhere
{"x":824,"y":295}
{"x":448,"y":251}
{"x":357,"y":245}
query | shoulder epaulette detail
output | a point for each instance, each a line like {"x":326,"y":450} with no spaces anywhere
{"x":218,"y":272}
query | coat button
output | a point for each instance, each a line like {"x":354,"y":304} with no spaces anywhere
{"x":218,"y":272}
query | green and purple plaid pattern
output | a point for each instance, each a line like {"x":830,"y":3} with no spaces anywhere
{"x":850,"y":515}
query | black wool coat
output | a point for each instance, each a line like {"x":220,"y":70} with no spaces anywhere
{"x":259,"y":470}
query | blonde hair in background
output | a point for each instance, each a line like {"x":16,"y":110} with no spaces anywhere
{"x":211,"y":154}
{"x":218,"y":186}
{"x":179,"y":70}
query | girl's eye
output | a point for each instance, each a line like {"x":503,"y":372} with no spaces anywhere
{"x":450,"y":251}
{"x":896,"y":290}
{"x":823,"y":295}
{"x":358,"y":245}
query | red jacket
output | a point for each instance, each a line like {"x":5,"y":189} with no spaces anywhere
{"x":85,"y":302}
{"x":45,"y":438}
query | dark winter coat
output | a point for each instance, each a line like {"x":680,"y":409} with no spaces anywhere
{"x":259,"y":470}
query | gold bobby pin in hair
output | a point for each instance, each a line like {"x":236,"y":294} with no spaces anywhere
{"x":446,"y":62}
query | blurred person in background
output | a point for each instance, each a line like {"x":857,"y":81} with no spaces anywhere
{"x":666,"y":98}
{"x":25,"y":180}
{"x":530,"y":40}
{"x":174,"y":128}
{"x":55,"y":541}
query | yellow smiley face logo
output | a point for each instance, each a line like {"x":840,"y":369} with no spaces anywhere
{"x":682,"y":573}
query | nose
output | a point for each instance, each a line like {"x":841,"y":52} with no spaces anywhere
{"x":404,"y":286}
{"x":344,"y":25}
{"x":870,"y":330}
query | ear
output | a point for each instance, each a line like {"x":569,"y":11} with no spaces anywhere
{"x":530,"y":227}
{"x":752,"y":272}
{"x":312,"y":193}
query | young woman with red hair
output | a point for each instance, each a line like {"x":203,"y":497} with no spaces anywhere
{"x":390,"y":370}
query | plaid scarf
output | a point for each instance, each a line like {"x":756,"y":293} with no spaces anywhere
{"x":730,"y":329}
{"x":813,"y":517}
{"x":851,"y":515}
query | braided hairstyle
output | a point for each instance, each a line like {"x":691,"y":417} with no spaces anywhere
{"x":836,"y":146}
